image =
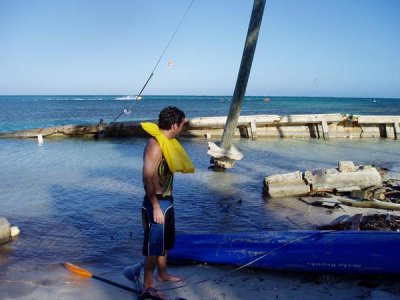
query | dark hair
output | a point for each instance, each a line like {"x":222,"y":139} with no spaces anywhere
{"x":170,"y":116}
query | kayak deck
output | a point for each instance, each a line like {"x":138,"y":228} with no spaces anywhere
{"x":358,"y":252}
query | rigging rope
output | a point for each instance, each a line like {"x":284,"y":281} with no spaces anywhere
{"x":156,"y":65}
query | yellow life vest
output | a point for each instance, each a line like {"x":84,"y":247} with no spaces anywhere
{"x":173,"y":152}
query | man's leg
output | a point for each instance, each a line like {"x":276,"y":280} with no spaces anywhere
{"x":149,"y":265}
{"x":163,"y":275}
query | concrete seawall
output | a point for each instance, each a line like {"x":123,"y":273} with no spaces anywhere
{"x":253,"y":126}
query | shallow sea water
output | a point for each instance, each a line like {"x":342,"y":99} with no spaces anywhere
{"x":79,"y":200}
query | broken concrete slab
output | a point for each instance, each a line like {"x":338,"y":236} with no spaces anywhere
{"x":346,"y":178}
{"x":346,"y":166}
{"x":287,"y":190}
{"x":283,"y":178}
{"x":331,"y":179}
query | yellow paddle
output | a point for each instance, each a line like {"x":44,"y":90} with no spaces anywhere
{"x":85,"y":273}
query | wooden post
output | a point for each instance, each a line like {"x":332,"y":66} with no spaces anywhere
{"x":325,"y":129}
{"x":396,"y":129}
{"x":243,"y":77}
{"x":253,"y":127}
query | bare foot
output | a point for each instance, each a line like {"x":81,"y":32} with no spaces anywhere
{"x":168,"y":278}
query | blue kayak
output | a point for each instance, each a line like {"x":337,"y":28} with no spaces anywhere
{"x":353,"y":252}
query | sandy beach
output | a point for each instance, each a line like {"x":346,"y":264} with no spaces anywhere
{"x":54,"y":282}
{"x":206,"y":281}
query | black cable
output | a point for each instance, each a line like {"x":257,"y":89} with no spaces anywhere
{"x":158,"y":62}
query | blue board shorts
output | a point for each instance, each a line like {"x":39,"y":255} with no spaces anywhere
{"x":158,"y":237}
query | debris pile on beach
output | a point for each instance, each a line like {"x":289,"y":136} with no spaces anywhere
{"x":392,"y":190}
{"x":379,"y":222}
{"x":358,"y":186}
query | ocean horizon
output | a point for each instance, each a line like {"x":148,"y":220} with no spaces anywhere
{"x":33,"y":111}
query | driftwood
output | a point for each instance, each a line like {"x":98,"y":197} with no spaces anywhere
{"x":321,"y":201}
{"x":333,"y":201}
{"x":373,"y":203}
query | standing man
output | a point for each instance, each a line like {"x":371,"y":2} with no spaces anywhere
{"x":163,"y":155}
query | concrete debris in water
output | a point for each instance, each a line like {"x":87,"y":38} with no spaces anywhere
{"x":346,"y":178}
{"x":7,"y":232}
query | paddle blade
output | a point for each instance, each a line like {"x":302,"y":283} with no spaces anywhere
{"x":77,"y":270}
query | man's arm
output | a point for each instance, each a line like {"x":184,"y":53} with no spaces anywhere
{"x":151,"y":159}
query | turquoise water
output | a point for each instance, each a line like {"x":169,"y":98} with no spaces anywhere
{"x":24,"y":112}
{"x":79,"y":200}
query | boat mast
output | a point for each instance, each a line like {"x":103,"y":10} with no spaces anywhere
{"x":241,"y":83}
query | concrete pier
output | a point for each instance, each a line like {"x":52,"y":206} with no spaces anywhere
{"x":321,"y":126}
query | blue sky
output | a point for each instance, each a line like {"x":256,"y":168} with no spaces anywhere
{"x":305,"y":48}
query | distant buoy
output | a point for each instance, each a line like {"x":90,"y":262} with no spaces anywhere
{"x":267,"y":100}
{"x":40,"y":138}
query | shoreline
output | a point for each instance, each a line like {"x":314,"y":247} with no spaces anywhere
{"x":203,"y":281}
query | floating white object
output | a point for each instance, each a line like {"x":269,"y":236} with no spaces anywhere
{"x":40,"y":138}
{"x":6,"y":231}
{"x":14,"y":230}
{"x":129,"y":98}
{"x":217,"y":152}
